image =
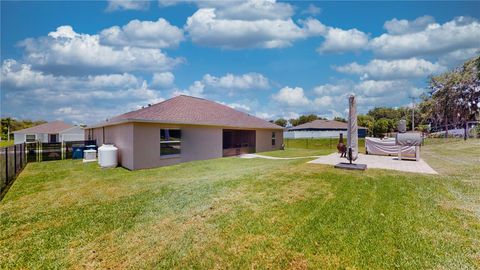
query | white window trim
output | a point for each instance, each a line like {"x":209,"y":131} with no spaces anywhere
{"x":169,"y":142}
{"x":34,"y":134}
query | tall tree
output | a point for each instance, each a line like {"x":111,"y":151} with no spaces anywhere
{"x":340,"y":119}
{"x":366,"y":121}
{"x":9,"y":125}
{"x":455,"y":96}
{"x":281,"y":122}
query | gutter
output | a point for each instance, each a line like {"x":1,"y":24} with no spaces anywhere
{"x":133,"y":120}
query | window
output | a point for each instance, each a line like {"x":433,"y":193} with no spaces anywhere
{"x":52,"y":138}
{"x":170,"y":141}
{"x":30,"y":137}
{"x":274,"y":139}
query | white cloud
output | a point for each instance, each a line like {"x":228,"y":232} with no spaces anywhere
{"x":312,"y":10}
{"x":248,"y":10}
{"x":196,"y":89}
{"x":456,"y":58}
{"x":339,"y":40}
{"x":324,"y":101}
{"x":206,"y":29}
{"x":243,"y":82}
{"x":229,"y":84}
{"x":333,"y":89}
{"x":400,"y":27}
{"x":251,"y":9}
{"x":263,"y":24}
{"x":330,"y":99}
{"x":459,"y":33}
{"x":236,"y":106}
{"x":163,"y":79}
{"x":34,"y":94}
{"x":146,"y":34}
{"x":372,"y":88}
{"x":394,"y":69}
{"x":265,"y":115}
{"x":314,"y":27}
{"x":291,"y":97}
{"x":83,"y":52}
{"x":127,"y":5}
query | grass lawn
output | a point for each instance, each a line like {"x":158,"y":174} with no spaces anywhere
{"x":6,"y":143}
{"x":321,"y":144}
{"x":245,"y":213}
{"x":297,"y":152}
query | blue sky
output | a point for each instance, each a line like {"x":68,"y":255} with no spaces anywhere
{"x":86,"y":61}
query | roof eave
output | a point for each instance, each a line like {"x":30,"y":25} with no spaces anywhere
{"x":134,"y":120}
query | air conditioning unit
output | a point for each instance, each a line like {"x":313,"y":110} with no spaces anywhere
{"x":89,"y":155}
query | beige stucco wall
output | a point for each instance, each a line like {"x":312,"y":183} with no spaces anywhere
{"x":264,"y":140}
{"x":139,"y":143}
{"x":122,"y":137}
{"x":198,"y":143}
{"x":201,"y":143}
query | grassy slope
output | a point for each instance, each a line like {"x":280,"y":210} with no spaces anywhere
{"x":322,"y":144}
{"x":297,"y":152}
{"x":244,"y":213}
{"x":6,"y":143}
{"x":310,"y":147}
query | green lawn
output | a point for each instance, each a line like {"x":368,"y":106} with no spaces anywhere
{"x":6,"y":143}
{"x":298,"y":152}
{"x":321,"y":143}
{"x":245,"y":213}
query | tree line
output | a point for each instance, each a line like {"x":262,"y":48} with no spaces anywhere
{"x":8,"y":125}
{"x":452,"y":101}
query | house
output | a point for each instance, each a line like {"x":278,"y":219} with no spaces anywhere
{"x":52,"y":132}
{"x":182,"y":129}
{"x":321,"y":129}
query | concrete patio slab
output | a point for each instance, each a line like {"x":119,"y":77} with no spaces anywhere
{"x":380,"y":162}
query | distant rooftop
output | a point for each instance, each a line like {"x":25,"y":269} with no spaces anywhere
{"x":323,"y":125}
{"x":50,"y":127}
{"x":193,"y":111}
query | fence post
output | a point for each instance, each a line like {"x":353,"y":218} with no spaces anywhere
{"x":6,"y":165}
{"x":21,"y":158}
{"x":14,"y":159}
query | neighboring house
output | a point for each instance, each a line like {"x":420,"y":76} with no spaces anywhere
{"x":321,"y":129}
{"x":56,"y":131}
{"x":182,"y":129}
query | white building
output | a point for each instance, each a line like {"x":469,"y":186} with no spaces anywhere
{"x":321,"y":129}
{"x":51,"y":132}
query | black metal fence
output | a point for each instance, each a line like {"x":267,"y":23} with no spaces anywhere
{"x":14,"y":158}
{"x":12,"y":161}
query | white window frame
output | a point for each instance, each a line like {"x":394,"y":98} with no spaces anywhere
{"x":170,"y":142}
{"x":274,"y":138}
{"x":34,"y":135}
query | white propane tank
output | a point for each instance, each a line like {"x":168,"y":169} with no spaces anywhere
{"x":107,"y":156}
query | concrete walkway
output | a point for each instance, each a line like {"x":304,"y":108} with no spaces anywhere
{"x":269,"y":157}
{"x":380,"y":162}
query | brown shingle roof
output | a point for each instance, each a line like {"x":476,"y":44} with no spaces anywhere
{"x":51,"y":127}
{"x":323,"y":124}
{"x":194,"y":111}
